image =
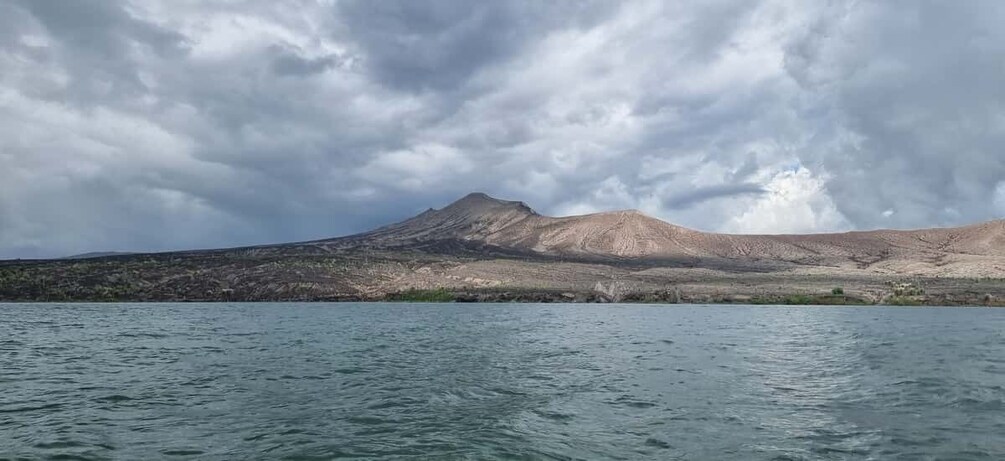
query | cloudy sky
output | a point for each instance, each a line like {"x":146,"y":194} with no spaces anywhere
{"x":171,"y":124}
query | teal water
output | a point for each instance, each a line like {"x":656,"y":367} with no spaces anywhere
{"x":506,"y":381}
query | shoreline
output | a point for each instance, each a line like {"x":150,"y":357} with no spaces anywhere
{"x":416,"y":276}
{"x":542,"y":298}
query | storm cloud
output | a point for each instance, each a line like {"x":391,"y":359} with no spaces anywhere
{"x":165,"y":124}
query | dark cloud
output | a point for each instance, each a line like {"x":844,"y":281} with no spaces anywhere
{"x":915,"y":91}
{"x":291,"y":64}
{"x":697,"y":196}
{"x":98,"y":42}
{"x":438,"y":45}
{"x":435,"y":45}
{"x":173,"y":124}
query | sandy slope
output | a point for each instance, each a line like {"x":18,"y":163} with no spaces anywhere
{"x":971,"y":251}
{"x":487,"y":249}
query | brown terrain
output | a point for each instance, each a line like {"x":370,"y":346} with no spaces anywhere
{"x":484,"y":249}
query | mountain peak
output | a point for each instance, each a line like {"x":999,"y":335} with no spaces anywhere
{"x":625,"y":212}
{"x":480,"y":202}
{"x":477,"y":197}
{"x":471,"y":217}
{"x":512,"y":225}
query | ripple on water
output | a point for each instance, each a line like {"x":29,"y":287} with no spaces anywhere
{"x":309,"y":381}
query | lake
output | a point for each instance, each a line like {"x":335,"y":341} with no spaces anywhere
{"x":500,"y":381}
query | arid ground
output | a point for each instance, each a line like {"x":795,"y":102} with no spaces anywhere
{"x":484,"y":249}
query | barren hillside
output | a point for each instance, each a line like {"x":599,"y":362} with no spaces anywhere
{"x":481,"y":248}
{"x":972,"y":251}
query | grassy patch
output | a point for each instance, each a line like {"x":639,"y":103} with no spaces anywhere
{"x":809,"y":300}
{"x":789,"y":300}
{"x":903,"y":301}
{"x":439,"y":295}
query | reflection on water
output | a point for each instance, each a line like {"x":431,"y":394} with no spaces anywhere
{"x":132,"y":381}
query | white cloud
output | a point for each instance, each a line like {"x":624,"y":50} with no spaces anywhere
{"x":160,"y":124}
{"x":795,"y":202}
{"x":424,"y":166}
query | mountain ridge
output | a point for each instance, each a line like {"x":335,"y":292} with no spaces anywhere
{"x":513,"y":225}
{"x":480,"y":248}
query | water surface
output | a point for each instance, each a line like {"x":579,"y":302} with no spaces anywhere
{"x":518,"y":381}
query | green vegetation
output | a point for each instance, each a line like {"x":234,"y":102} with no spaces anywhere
{"x":771,"y":300}
{"x":903,"y":301}
{"x":259,"y":275}
{"x":906,"y":288}
{"x":439,"y":295}
{"x":910,"y":293}
{"x":806,"y":300}
{"x":799,"y":300}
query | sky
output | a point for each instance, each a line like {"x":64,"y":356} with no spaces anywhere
{"x":154,"y":125}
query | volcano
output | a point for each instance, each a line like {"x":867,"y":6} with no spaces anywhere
{"x":627,"y":235}
{"x":484,"y":248}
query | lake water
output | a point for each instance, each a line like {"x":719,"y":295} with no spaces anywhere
{"x":500,"y":381}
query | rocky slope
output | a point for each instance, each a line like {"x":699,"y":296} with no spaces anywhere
{"x":481,"y":248}
{"x":972,"y":251}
